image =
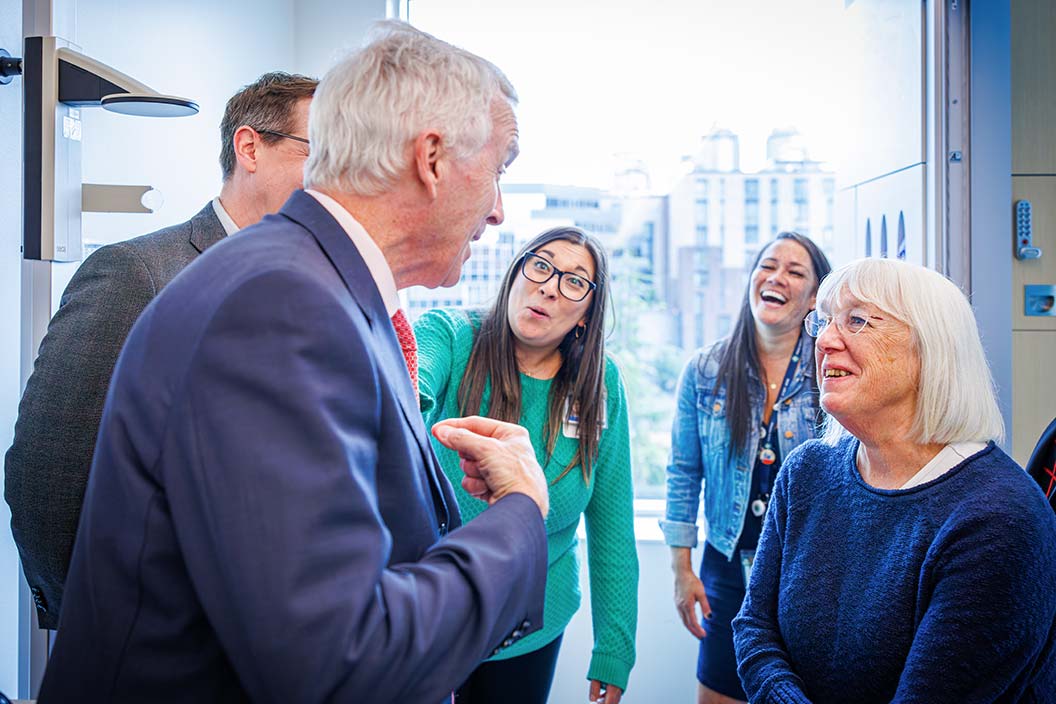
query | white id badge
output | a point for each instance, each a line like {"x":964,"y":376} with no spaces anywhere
{"x":747,"y":560}
{"x":570,"y":426}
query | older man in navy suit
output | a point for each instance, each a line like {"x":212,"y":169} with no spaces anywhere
{"x":265,"y":519}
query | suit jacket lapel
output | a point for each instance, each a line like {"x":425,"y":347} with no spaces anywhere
{"x":342,"y":253}
{"x":206,"y":228}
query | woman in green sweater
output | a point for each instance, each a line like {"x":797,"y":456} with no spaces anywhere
{"x":537,"y":358}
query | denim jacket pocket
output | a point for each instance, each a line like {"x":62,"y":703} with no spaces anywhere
{"x":714,"y":436}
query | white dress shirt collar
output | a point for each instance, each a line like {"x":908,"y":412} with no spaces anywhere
{"x":225,"y":220}
{"x":948,"y":458}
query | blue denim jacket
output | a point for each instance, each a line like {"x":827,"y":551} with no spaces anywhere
{"x":700,"y":444}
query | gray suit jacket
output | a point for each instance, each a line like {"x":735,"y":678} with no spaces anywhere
{"x":46,"y":468}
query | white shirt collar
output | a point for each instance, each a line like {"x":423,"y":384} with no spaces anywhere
{"x":948,"y":458}
{"x":368,"y":249}
{"x":225,"y":220}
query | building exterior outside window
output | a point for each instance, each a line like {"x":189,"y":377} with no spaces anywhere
{"x":678,"y":260}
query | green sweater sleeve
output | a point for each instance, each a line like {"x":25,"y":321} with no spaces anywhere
{"x":435,"y":334}
{"x":611,"y":553}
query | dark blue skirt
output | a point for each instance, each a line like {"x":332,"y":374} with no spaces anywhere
{"x":724,"y":585}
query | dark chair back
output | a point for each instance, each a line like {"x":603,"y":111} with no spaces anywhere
{"x":1042,"y":464}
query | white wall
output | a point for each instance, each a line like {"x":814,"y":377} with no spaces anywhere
{"x":666,"y":669}
{"x":205,"y":51}
{"x":198,"y":49}
{"x":991,"y":189}
{"x":325,"y":30}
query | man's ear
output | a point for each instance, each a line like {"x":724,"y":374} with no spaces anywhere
{"x":246,"y":142}
{"x":427,"y":150}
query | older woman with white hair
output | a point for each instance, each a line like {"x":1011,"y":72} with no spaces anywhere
{"x":905,"y":557}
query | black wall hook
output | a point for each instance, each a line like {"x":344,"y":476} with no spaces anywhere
{"x":10,"y":67}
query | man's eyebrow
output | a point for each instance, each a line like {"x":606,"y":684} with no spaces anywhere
{"x":512,"y":152}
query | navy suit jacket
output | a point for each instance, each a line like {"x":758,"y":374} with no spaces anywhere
{"x":264,"y":518}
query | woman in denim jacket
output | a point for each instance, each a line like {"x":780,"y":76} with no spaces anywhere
{"x":743,"y":404}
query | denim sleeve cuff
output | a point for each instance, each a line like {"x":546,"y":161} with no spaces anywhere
{"x":679,"y":535}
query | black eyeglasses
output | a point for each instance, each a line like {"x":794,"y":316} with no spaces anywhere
{"x":276,"y":133}
{"x":540,"y":270}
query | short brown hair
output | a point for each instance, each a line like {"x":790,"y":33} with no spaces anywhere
{"x":265,"y":104}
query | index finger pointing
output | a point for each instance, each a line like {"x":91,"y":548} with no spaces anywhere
{"x":488,"y":427}
{"x":468,"y":444}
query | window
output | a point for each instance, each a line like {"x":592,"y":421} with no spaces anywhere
{"x":723,"y":325}
{"x":668,"y":244}
{"x":802,"y":204}
{"x":829,"y":186}
{"x":751,"y":189}
{"x":751,"y":211}
{"x":700,"y":216}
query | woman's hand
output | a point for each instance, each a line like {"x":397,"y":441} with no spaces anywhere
{"x":601,"y":693}
{"x":689,"y":591}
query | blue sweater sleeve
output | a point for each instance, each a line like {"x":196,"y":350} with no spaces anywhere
{"x":763,"y":663}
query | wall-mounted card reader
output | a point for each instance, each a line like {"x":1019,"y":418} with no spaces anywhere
{"x":1039,"y":300}
{"x":1025,"y":248}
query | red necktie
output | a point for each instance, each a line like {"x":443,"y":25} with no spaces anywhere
{"x":408,"y":344}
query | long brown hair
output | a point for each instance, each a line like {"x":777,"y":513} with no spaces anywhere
{"x":739,"y":353}
{"x":581,"y":376}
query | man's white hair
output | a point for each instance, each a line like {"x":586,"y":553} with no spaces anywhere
{"x":371,"y":106}
{"x":956,"y":401}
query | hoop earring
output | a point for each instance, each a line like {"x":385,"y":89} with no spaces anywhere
{"x":579,"y":331}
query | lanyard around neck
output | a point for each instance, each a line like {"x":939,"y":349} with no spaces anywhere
{"x":767,"y":456}
{"x":766,"y":452}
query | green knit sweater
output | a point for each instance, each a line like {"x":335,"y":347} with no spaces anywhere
{"x":445,"y":339}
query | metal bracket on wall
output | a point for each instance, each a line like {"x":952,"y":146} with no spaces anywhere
{"x":108,"y":198}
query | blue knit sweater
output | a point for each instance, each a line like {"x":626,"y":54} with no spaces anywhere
{"x":945,"y":592}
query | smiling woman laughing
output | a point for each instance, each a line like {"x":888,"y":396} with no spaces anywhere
{"x":906,"y":558}
{"x":743,"y":404}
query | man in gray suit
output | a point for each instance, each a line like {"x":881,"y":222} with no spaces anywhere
{"x":263,"y":148}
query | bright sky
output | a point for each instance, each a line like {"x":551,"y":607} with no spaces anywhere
{"x":649,"y":77}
